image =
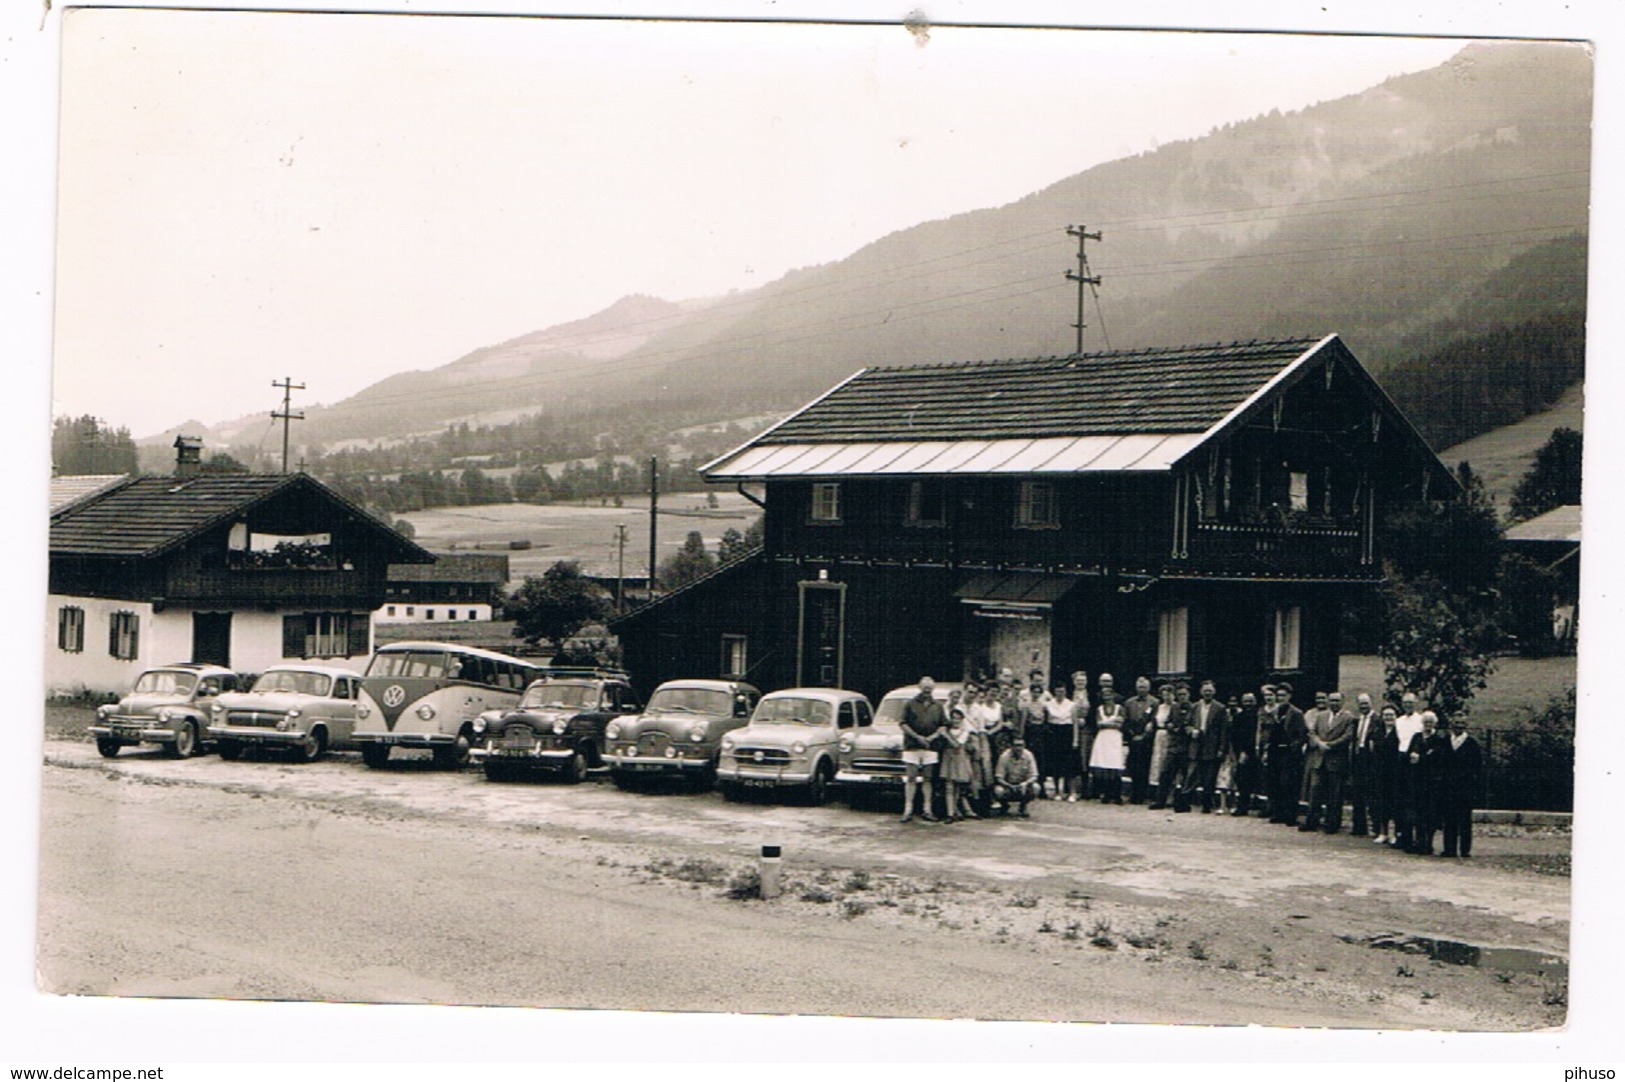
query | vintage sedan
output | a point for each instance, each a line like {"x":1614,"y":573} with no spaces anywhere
{"x":871,"y":760}
{"x":306,"y":710}
{"x":791,"y":742}
{"x":557,"y":728}
{"x":679,"y":733}
{"x":168,"y":705}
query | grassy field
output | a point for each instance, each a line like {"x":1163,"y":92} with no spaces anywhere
{"x":1518,"y":687}
{"x":582,"y":530}
{"x":1502,"y":456}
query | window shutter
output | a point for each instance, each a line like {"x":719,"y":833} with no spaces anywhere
{"x":360,"y":637}
{"x":293,"y":635}
{"x":112,"y":635}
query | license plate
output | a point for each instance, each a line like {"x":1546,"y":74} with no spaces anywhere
{"x":129,"y":731}
{"x":643,"y":766}
{"x":760,"y":783}
{"x":514,"y":753}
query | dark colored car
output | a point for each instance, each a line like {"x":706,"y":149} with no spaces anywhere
{"x":679,"y":733}
{"x":558,"y":726}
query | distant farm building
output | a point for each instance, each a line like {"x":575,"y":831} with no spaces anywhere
{"x":458,"y":586}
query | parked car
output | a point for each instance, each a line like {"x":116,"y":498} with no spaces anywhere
{"x":304,"y":709}
{"x":558,"y":726}
{"x":679,"y":733}
{"x":168,"y":705}
{"x":791,"y":742}
{"x":871,"y":760}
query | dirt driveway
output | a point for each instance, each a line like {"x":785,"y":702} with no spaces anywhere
{"x":335,"y":882}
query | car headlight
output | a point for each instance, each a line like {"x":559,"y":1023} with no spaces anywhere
{"x":671,"y":752}
{"x":613,"y":730}
{"x":697,"y":734}
{"x":362,"y":710}
{"x":559,"y":725}
{"x":166,"y":716}
{"x":846,"y":746}
{"x":631,"y":751}
{"x":426,"y":712}
{"x":286,"y":723}
{"x":104,"y":710}
{"x":728,"y":741}
{"x":478,"y":726}
{"x":798,"y":748}
{"x":217,"y":709}
{"x":293,"y":713}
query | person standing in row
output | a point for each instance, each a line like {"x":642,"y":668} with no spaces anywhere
{"x":1107,"y":756}
{"x":1463,"y":784}
{"x":1063,"y":767}
{"x":956,"y":771}
{"x":1210,"y":736}
{"x":1161,"y":737}
{"x":1083,"y":732}
{"x":1182,"y":747}
{"x":1244,"y":746}
{"x":1429,"y":756}
{"x":1139,"y":729}
{"x":1407,"y":727}
{"x":1286,"y":739}
{"x":1363,"y":765}
{"x":922,"y":720}
{"x":1389,"y":780}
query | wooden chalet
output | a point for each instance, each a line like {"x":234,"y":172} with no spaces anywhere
{"x":458,"y":586}
{"x":242,"y":570}
{"x":1190,"y":512}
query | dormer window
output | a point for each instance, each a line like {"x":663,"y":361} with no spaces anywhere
{"x":1036,"y":506}
{"x":927,"y":504}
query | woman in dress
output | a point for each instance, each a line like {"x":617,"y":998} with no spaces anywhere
{"x":1064,"y":766}
{"x":981,"y":711}
{"x":1106,"y":758}
{"x":956,"y":768}
{"x":1159,"y":747}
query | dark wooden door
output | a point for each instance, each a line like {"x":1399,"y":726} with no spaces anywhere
{"x":821,"y":630}
{"x":211,"y":638}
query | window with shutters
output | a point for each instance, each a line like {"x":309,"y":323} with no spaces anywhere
{"x":1036,"y":506}
{"x":70,"y":629}
{"x":733,"y":655}
{"x":124,"y":635}
{"x":1288,"y":633}
{"x":826,"y":502}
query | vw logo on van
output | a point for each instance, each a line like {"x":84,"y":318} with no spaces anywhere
{"x":394,"y":695}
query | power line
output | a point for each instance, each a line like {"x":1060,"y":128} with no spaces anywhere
{"x":288,"y":387}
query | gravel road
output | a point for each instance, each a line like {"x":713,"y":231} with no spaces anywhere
{"x":267,"y":880}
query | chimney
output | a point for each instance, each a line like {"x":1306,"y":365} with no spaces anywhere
{"x":188,"y":456}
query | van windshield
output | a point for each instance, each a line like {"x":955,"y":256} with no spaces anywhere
{"x":410,"y":663}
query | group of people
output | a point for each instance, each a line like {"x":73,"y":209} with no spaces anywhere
{"x":995,"y":744}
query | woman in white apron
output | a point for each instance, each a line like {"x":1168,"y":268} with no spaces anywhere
{"x":1106,"y":758}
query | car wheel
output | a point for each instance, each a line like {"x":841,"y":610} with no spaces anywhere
{"x":818,"y":787}
{"x":375,"y":755}
{"x":577,"y":772}
{"x":453,"y":757}
{"x":230,"y":750}
{"x":185,"y":745}
{"x":312,"y":747}
{"x":108,"y":748}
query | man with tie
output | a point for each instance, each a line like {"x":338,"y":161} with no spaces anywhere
{"x":1326,"y":762}
{"x":1244,"y":746}
{"x":1462,"y":788}
{"x":1209,"y":737}
{"x":1363,"y":764}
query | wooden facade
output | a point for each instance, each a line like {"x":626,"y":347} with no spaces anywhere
{"x":1228,"y":545}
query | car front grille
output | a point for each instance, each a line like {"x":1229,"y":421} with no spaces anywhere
{"x":653,"y":744}
{"x":878,"y":766}
{"x":253,"y":718}
{"x":761,"y":756}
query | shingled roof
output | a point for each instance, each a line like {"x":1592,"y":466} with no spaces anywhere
{"x":1188,"y":389}
{"x":151,"y":515}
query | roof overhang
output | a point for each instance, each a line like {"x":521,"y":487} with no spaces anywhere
{"x":1149,"y":452}
{"x":1017,"y":591}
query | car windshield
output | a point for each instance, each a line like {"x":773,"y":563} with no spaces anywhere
{"x":546,"y":693}
{"x":166,"y":682}
{"x":691,"y":701}
{"x":305,"y":683}
{"x":792,"y":711}
{"x":398,"y":663}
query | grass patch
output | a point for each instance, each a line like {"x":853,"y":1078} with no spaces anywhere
{"x":1101,"y":935}
{"x":745,"y":885}
{"x":853,"y":908}
{"x":689,"y":870}
{"x":856,"y":880}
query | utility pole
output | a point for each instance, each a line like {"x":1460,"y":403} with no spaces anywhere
{"x":288,"y":387}
{"x":654,"y":517}
{"x":620,"y":568}
{"x":1081,"y":275}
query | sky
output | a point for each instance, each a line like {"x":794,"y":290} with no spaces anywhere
{"x":436,"y":197}
{"x":247,"y":197}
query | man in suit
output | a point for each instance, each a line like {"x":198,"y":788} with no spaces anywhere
{"x":1287,"y":736}
{"x":1463,"y":785}
{"x":1326,"y":761}
{"x":1210,"y":736}
{"x":1181,"y":751}
{"x":1139,"y":723}
{"x":1244,"y":746}
{"x":1363,"y":764}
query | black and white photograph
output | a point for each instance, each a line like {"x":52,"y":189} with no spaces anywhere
{"x":729,"y":523}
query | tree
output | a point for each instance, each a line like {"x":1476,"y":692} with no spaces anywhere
{"x":85,"y":445}
{"x":688,"y":563}
{"x":734,"y":544}
{"x":1435,"y":645}
{"x":556,"y":605}
{"x":221,"y":462}
{"x":1553,"y":479}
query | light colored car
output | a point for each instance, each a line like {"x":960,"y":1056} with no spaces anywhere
{"x":679,"y":732}
{"x":307,"y":710}
{"x":791,"y":742}
{"x":871,"y":760}
{"x":168,"y":705}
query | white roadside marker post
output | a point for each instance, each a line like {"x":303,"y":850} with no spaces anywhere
{"x":770,"y":871}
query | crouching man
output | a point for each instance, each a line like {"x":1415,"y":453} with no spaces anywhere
{"x":1015,"y":778}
